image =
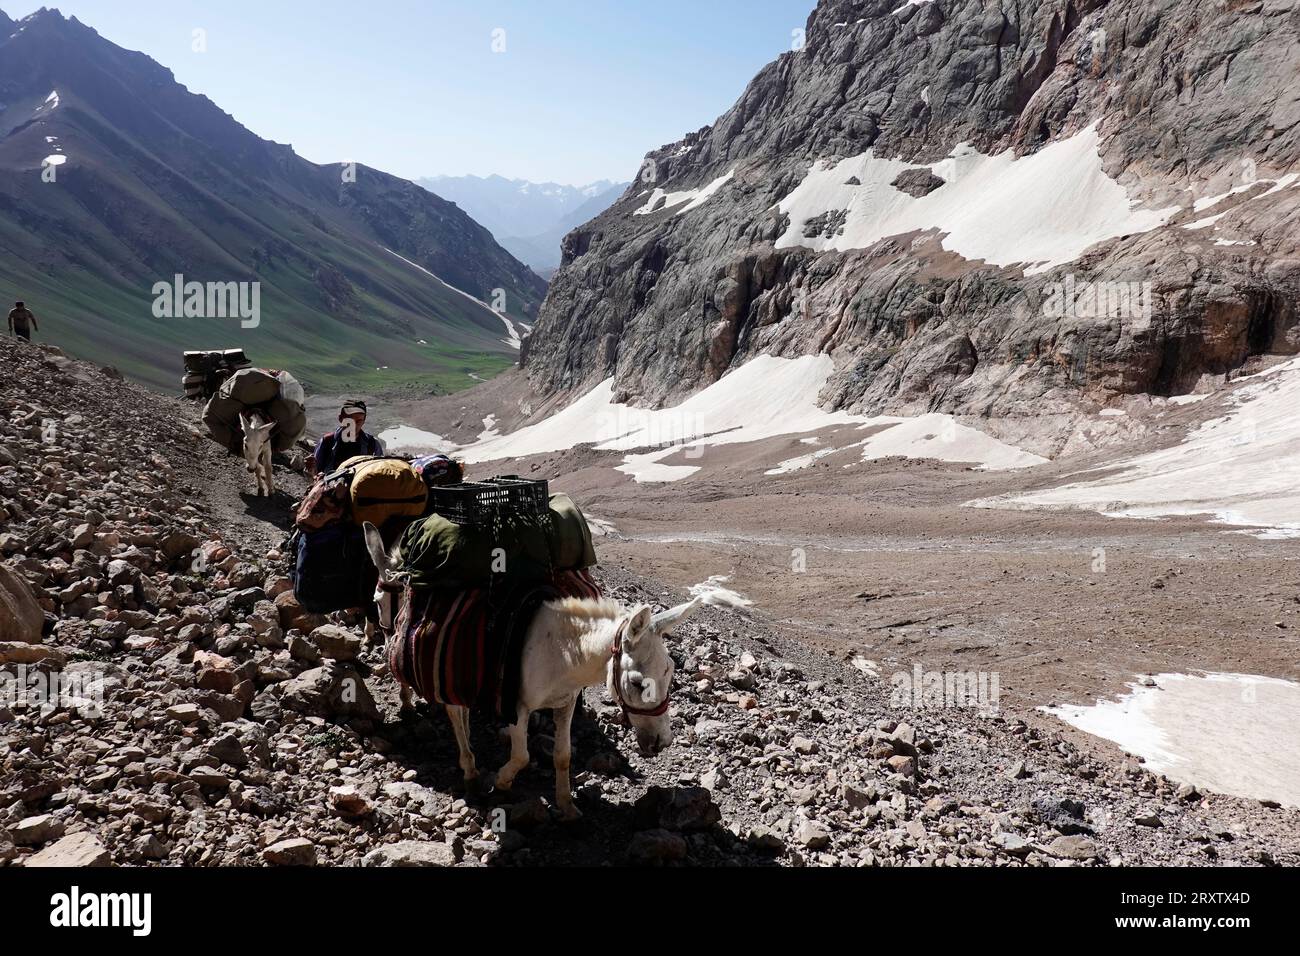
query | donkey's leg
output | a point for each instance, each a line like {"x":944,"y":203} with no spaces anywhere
{"x":518,"y":750}
{"x":269,"y":467}
{"x":405,"y":696}
{"x":460,"y":724}
{"x":563,"y":757}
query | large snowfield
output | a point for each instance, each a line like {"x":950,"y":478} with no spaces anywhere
{"x":1041,"y":210}
{"x":1232,"y":733}
{"x":1242,"y":468}
{"x":765,"y":398}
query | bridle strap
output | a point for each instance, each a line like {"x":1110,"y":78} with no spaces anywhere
{"x":616,"y":658}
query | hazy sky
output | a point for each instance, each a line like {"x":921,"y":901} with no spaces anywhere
{"x":583,"y":89}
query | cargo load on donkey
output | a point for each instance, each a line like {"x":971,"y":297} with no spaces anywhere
{"x":276,"y":395}
{"x":206,"y":372}
{"x":474,"y":572}
{"x":331,"y":570}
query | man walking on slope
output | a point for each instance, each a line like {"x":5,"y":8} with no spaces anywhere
{"x":22,"y":321}
{"x":349,"y":440}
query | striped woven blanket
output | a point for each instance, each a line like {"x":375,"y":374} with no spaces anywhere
{"x":464,"y":647}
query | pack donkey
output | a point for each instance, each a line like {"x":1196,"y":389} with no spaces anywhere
{"x":257,"y":450}
{"x":570,"y":644}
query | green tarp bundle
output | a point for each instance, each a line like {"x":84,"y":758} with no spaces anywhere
{"x":437,"y":553}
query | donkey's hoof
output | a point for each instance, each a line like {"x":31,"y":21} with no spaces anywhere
{"x":477,"y":788}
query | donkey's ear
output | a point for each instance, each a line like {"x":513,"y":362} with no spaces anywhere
{"x":665,"y":621}
{"x":638,"y":625}
{"x":375,"y":545}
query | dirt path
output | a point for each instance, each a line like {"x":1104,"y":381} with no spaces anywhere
{"x":223,"y":493}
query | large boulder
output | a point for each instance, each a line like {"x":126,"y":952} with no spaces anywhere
{"x":21,"y":618}
{"x":334,"y":690}
{"x":73,"y":851}
{"x":411,"y":853}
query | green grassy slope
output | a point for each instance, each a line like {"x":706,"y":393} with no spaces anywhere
{"x":159,"y":182}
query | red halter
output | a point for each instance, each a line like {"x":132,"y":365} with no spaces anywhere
{"x":616,"y":654}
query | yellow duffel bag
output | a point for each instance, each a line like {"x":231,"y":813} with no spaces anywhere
{"x":384,"y":488}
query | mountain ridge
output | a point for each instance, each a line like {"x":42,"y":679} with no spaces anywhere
{"x":528,"y":219}
{"x":156,"y":181}
{"x":699,"y":267}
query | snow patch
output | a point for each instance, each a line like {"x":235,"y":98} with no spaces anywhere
{"x":713,"y":592}
{"x":1043,"y":210}
{"x":694,"y":198}
{"x":56,"y":160}
{"x":944,"y":438}
{"x":1206,"y":222}
{"x":765,"y":398}
{"x":1231,"y":733}
{"x":512,"y":334}
{"x":406,"y":438}
{"x":803,"y":461}
{"x":1240,"y":468}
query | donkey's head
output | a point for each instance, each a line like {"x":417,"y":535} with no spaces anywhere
{"x":390,"y":580}
{"x":641,"y":672}
{"x":257,"y":432}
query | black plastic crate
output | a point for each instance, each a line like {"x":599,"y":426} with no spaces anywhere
{"x":474,"y":502}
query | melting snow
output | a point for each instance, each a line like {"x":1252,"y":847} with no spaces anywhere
{"x":1206,"y":222}
{"x":1232,"y":733}
{"x":1044,"y":209}
{"x":802,"y":461}
{"x":56,"y":160}
{"x":694,"y":198}
{"x":943,"y":437}
{"x":1243,"y":468}
{"x":713,"y":592}
{"x":512,"y":333}
{"x":1208,"y":201}
{"x":765,"y":398}
{"x":406,"y":438}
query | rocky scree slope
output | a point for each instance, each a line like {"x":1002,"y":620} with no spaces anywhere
{"x":1195,"y":109}
{"x":236,"y":729}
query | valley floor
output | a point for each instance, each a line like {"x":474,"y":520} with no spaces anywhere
{"x":224,"y":739}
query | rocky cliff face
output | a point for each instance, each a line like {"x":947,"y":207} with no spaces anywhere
{"x":954,"y":199}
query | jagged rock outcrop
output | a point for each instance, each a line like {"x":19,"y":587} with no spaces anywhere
{"x":1188,"y":103}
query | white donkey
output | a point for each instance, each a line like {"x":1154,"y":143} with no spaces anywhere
{"x":570,"y":644}
{"x":257,"y":450}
